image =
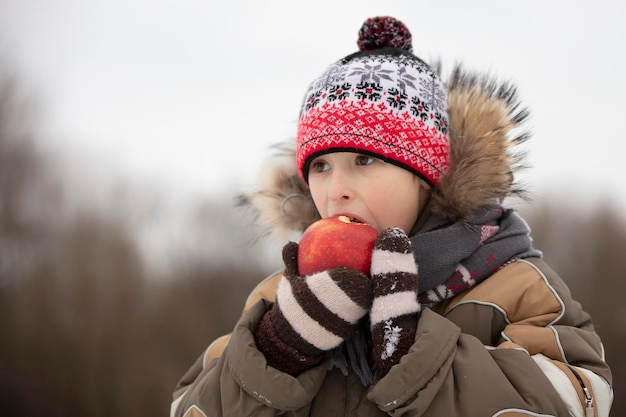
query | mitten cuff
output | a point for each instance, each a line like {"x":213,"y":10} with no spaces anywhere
{"x":280,"y":355}
{"x":394,"y":338}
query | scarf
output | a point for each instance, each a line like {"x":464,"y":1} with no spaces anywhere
{"x":451,"y":257}
{"x":454,"y":256}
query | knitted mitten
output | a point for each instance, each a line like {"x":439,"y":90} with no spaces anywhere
{"x":395,"y":307}
{"x":311,"y":315}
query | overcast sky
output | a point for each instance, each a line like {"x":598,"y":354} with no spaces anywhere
{"x":191,"y":93}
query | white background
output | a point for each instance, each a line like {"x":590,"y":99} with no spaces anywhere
{"x":189,"y":94}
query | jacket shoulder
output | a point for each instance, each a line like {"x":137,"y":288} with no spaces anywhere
{"x":528,"y":280}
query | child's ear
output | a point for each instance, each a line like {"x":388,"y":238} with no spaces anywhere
{"x":424,"y":185}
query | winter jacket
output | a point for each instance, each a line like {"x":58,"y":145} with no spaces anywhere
{"x":516,"y":344}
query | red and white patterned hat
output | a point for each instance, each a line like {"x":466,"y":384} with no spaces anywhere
{"x":382,"y":101}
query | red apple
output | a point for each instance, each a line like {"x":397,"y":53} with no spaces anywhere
{"x":336,"y":241}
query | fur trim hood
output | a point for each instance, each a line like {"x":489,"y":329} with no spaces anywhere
{"x":485,"y":127}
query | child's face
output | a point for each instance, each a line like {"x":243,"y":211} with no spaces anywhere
{"x":369,"y":189}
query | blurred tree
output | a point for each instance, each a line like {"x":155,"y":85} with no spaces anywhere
{"x":86,"y":328}
{"x":21,"y":168}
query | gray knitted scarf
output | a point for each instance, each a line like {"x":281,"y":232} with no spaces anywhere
{"x":451,"y":257}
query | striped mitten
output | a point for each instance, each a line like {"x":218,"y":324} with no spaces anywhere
{"x":395,"y":307}
{"x":311,"y":315}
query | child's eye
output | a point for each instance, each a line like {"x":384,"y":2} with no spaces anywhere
{"x":319,"y":165}
{"x":365,"y":160}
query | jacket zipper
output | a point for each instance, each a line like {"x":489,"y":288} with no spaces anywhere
{"x":588,"y":397}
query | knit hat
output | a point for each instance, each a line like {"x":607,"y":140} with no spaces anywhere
{"x":381,"y":101}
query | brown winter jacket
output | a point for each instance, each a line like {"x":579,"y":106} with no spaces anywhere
{"x":496,"y":349}
{"x":516,"y":344}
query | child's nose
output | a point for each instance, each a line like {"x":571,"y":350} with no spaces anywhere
{"x":340,"y":186}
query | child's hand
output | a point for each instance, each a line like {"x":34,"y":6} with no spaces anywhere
{"x":395,"y":308}
{"x":312,"y":314}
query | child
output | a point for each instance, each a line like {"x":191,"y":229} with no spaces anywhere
{"x":459,"y":316}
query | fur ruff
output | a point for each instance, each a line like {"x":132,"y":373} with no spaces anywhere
{"x":485,"y":128}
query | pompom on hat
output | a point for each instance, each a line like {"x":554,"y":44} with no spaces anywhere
{"x":381,"y":101}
